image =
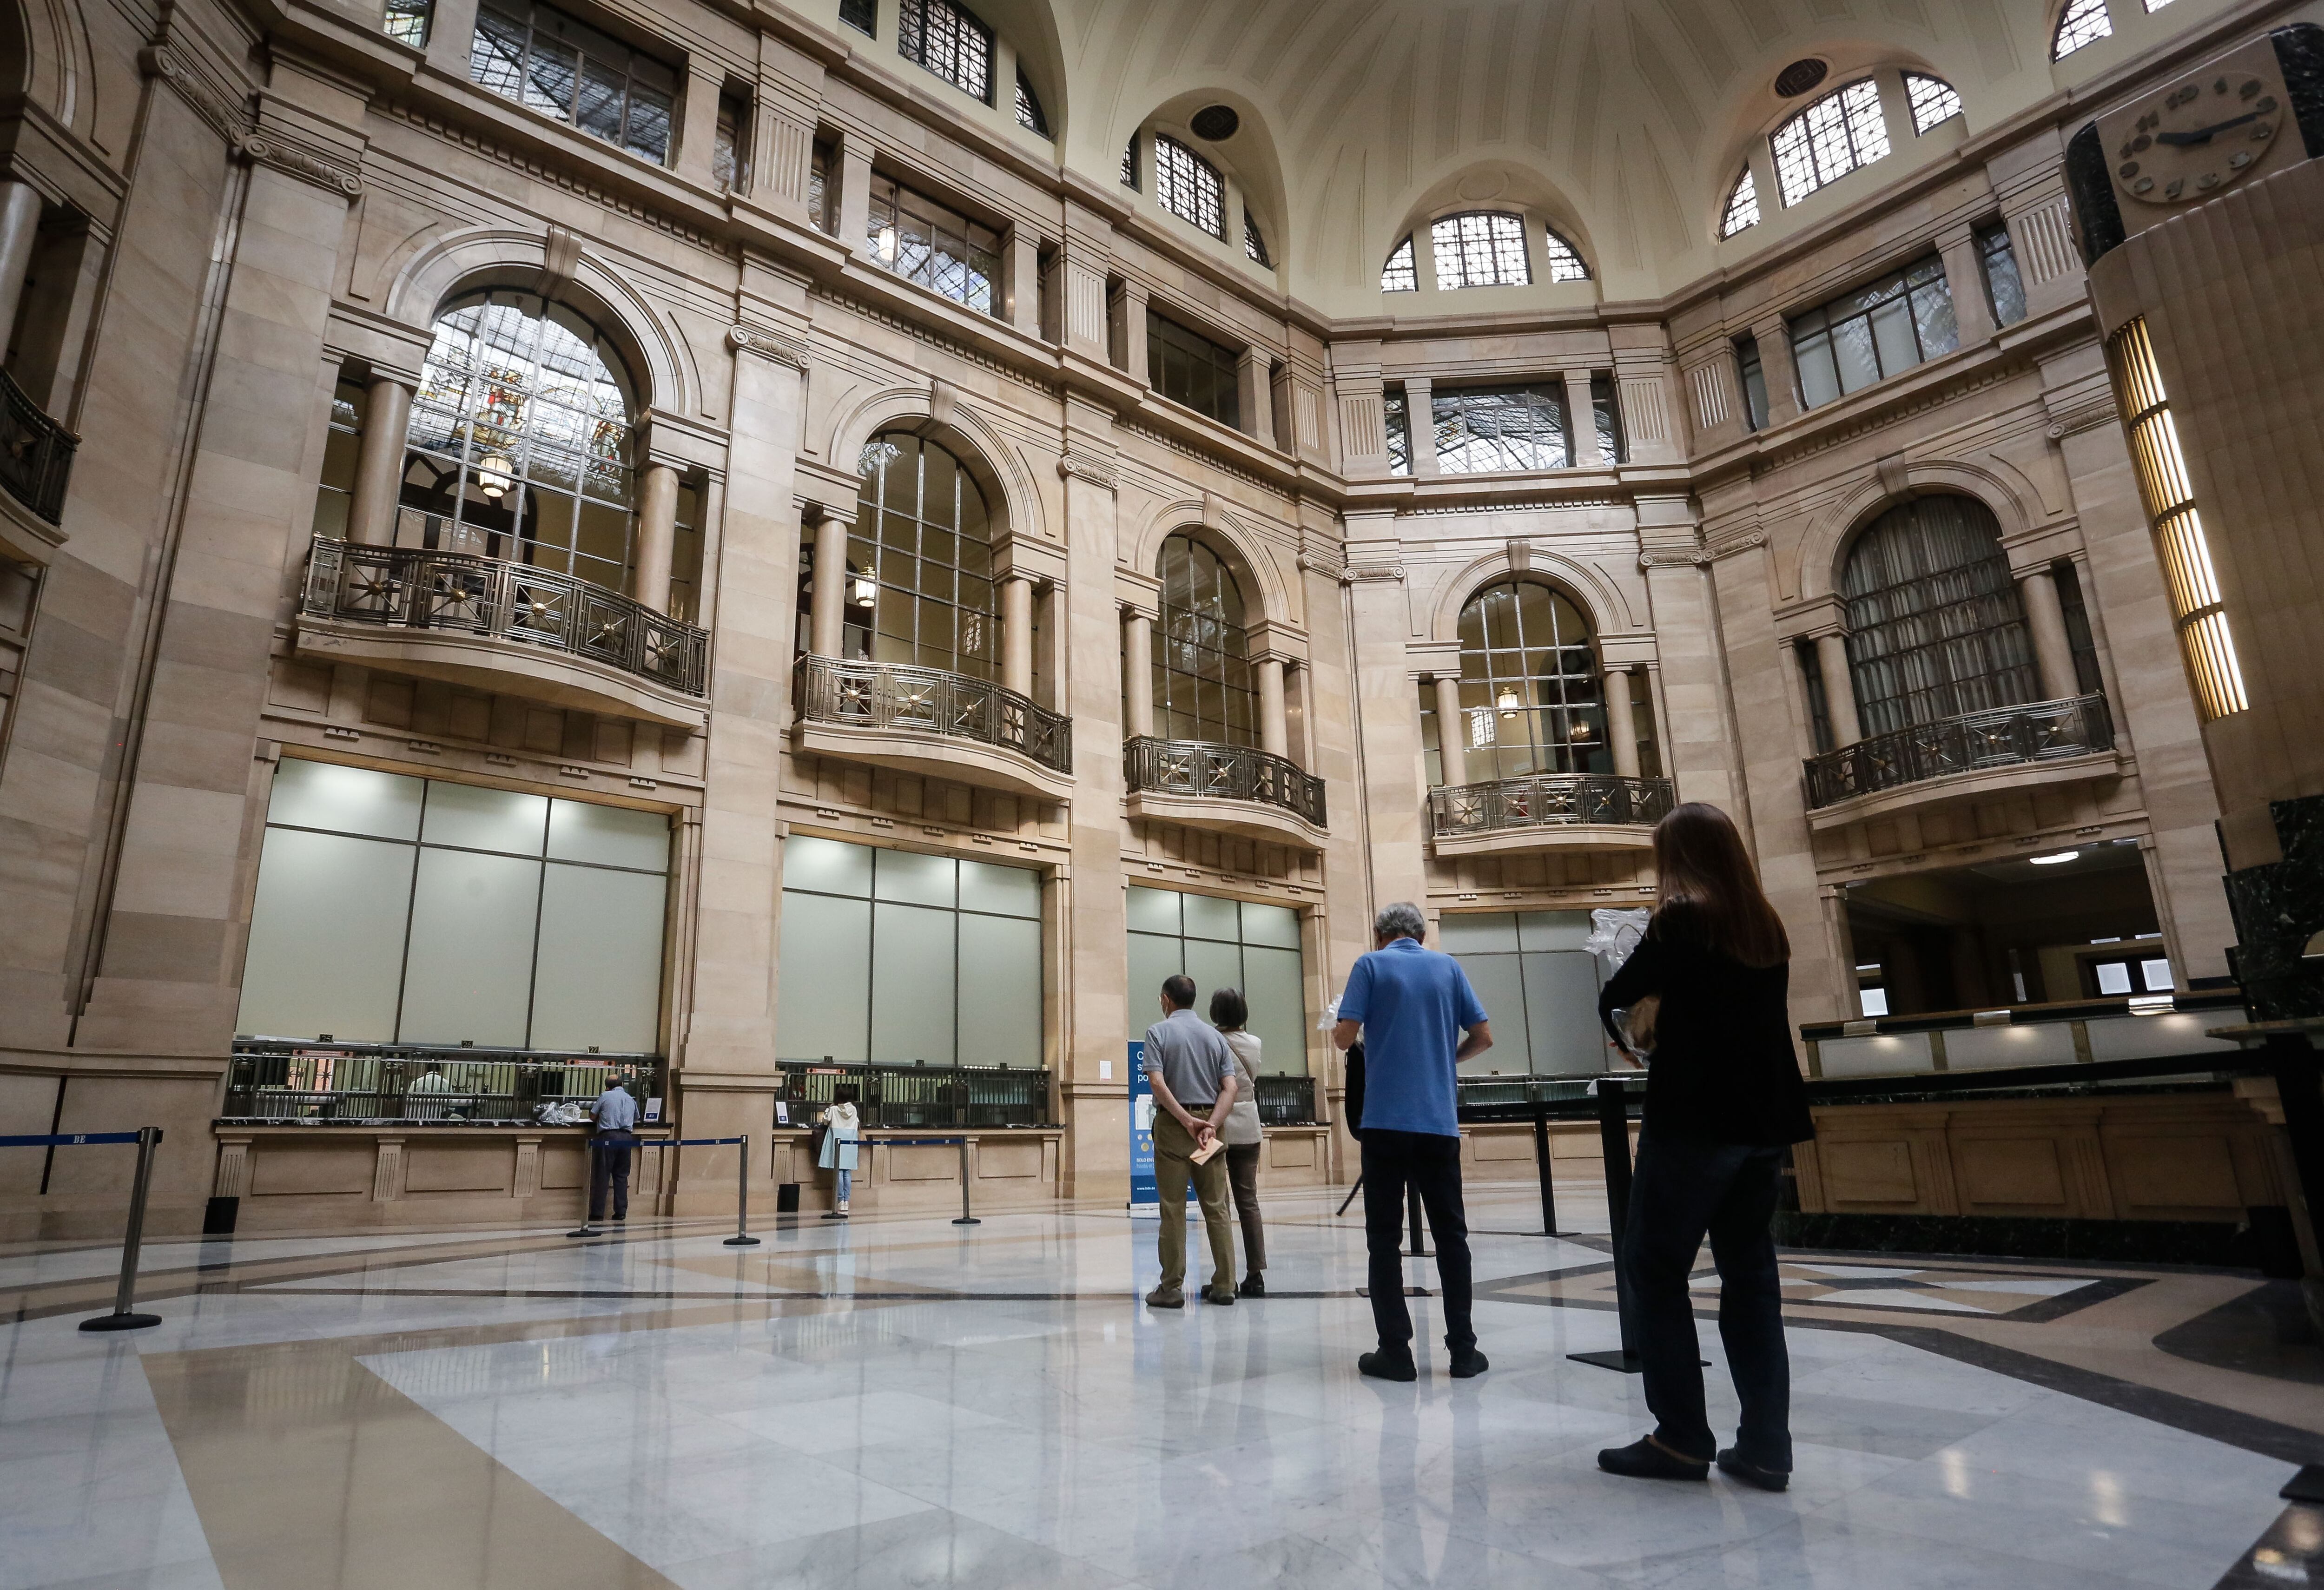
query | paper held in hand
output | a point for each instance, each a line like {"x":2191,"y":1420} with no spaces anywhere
{"x":1204,"y":1155}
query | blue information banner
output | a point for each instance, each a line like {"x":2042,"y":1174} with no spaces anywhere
{"x":1145,"y":1197}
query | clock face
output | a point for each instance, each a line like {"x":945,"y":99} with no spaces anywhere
{"x":2200,"y":138}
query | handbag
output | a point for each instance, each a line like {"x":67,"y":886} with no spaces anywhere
{"x":1638,"y":1025}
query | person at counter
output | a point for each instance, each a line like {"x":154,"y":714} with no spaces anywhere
{"x":616,"y":1115}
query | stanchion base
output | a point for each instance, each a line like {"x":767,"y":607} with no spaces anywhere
{"x":835,"y":1215}
{"x":965,"y":1220}
{"x":588,"y":1231}
{"x":121,"y":1322}
{"x":742,"y":1242}
{"x":1619,"y":1361}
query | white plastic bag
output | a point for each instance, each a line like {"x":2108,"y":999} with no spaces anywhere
{"x":1614,"y":933}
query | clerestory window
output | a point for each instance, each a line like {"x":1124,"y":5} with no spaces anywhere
{"x":1830,"y":138}
{"x":1742,"y":204}
{"x":1028,"y":107}
{"x":1874,"y":332}
{"x":1481,"y":249}
{"x":1254,"y":245}
{"x":1564,"y":264}
{"x":1932,"y":100}
{"x":547,"y":61}
{"x":1399,"y":274}
{"x":1189,"y":187}
{"x":2085,"y":21}
{"x":934,"y":245}
{"x":949,"y":41}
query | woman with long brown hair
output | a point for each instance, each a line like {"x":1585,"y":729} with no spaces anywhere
{"x":1724,"y":1101}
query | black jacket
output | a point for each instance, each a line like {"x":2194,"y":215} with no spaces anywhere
{"x":1723,"y":1068}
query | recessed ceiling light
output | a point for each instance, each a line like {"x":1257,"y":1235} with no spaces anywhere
{"x":2053,"y":859}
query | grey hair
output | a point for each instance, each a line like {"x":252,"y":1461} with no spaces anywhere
{"x":1401,"y":920}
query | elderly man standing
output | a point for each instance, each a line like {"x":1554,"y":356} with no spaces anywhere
{"x":1418,"y":1019}
{"x":1193,"y":1072}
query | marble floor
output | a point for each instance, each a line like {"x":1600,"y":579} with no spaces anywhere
{"x":900,"y":1402}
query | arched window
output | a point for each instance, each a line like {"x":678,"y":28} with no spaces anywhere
{"x":1202,"y":661}
{"x":1932,"y":100}
{"x":1398,"y":275}
{"x":2085,"y":21}
{"x":1564,"y":264}
{"x":1830,"y":138}
{"x":1189,"y":187}
{"x":1742,"y":204}
{"x":1531,"y":698}
{"x":1935,"y":627}
{"x":520,"y":440}
{"x":920,"y":561}
{"x":1480,"y":249}
{"x":1254,"y":243}
{"x":1029,"y":116}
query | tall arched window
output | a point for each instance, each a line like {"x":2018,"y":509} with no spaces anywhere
{"x":920,"y":561}
{"x":1829,"y":139}
{"x":520,"y":440}
{"x":1935,"y":626}
{"x":1203,"y":687}
{"x":2083,"y":22}
{"x":1531,"y":698}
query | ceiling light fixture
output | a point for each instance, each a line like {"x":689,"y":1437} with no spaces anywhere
{"x":1509,"y":703}
{"x":2053,"y":859}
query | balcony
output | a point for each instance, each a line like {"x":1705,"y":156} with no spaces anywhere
{"x":1549,"y":811}
{"x":503,"y":626}
{"x":1970,"y":757}
{"x":1232,"y":789}
{"x":36,"y":457}
{"x":939,"y":724}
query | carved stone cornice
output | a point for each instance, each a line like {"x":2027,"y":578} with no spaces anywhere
{"x":772,"y":345}
{"x":301,"y":163}
{"x":1357,"y":573}
{"x":1089,"y":466}
{"x":2086,"y":412}
{"x":1702,"y":557}
{"x":233,"y":123}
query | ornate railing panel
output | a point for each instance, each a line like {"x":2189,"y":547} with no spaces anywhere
{"x":1221,"y":772}
{"x":292,"y":1080}
{"x":901,"y":696}
{"x":1286,"y":1100}
{"x":2003,"y":736}
{"x":36,"y":453}
{"x":914,"y":1095}
{"x":1547,"y":800}
{"x":408,"y":587}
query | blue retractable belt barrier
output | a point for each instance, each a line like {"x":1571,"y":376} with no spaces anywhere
{"x":937,"y":1142}
{"x":147,"y":1139}
{"x":742,"y":1237}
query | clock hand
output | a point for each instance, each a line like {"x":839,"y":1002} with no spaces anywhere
{"x":2204,"y":135}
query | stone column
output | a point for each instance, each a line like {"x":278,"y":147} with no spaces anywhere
{"x":697,"y":137}
{"x":1016,"y":635}
{"x":1021,"y":287}
{"x":1137,"y":673}
{"x":1965,"y":280}
{"x":1126,"y":330}
{"x":1387,"y":714}
{"x":1451,"y":735}
{"x":1774,"y":338}
{"x":1254,"y":396}
{"x":2053,"y":649}
{"x":379,"y":462}
{"x":1274,"y":724}
{"x":1620,"y":728}
{"x":1581,"y":421}
{"x":1839,"y":688}
{"x":1420,"y":425}
{"x":828,"y":600}
{"x":656,"y":535}
{"x":451,"y":30}
{"x":854,"y":193}
{"x":20,"y":225}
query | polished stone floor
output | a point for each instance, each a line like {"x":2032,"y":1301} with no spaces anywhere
{"x":900,"y":1402}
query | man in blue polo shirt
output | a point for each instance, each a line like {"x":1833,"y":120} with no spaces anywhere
{"x":1418,"y":1019}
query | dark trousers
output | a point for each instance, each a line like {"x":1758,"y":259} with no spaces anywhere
{"x":1392,"y":1161}
{"x":1242,"y":1180}
{"x":610,"y":1154}
{"x":1679,"y":1192}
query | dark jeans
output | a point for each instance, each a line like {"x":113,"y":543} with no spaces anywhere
{"x":1433,"y":1164}
{"x":1242,"y":1180}
{"x":1679,"y":1192}
{"x":611,"y":1157}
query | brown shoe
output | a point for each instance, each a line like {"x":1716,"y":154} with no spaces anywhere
{"x":1165,"y":1297}
{"x":1218,"y":1294}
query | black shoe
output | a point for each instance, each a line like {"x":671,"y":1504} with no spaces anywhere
{"x":1751,"y":1473}
{"x":1647,"y":1459}
{"x":1385,"y":1365}
{"x":1468,"y":1364}
{"x":1253,"y":1286}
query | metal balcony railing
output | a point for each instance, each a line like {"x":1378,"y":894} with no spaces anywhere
{"x":410,"y":587}
{"x":855,"y":694}
{"x":36,"y":453}
{"x":1221,"y":772}
{"x":1547,"y":800}
{"x":295,"y":1079}
{"x":2002,"y":736}
{"x":894,"y":1094}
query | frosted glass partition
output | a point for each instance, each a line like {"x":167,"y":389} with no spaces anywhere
{"x":2025,"y":1044}
{"x":1875,"y":1054}
{"x":894,"y":958}
{"x":395,"y":910}
{"x":2146,"y":1038}
{"x":1222,"y":944}
{"x":1537,"y":984}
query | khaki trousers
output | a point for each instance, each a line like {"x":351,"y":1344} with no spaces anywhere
{"x":1172,"y":1170}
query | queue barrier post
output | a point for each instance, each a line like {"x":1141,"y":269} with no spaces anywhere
{"x":1541,"y":1165}
{"x":965,"y":1217}
{"x":1614,"y":1143}
{"x":147,"y":1139}
{"x":742,"y":1237}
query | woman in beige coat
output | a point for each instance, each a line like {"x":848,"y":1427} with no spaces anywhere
{"x":1242,"y":1135}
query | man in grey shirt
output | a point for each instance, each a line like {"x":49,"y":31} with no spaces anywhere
{"x":1193,"y":1072}
{"x":616,"y":1112}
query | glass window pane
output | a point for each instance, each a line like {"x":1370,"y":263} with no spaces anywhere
{"x":344,"y":800}
{"x":1552,"y":929}
{"x":610,"y":835}
{"x":1274,"y":991}
{"x":1001,"y":990}
{"x":1852,"y":353}
{"x":469,"y":976}
{"x":597,"y":978}
{"x":1892,"y":333}
{"x":326,"y":936}
{"x":1153,"y":956}
{"x":830,"y":866}
{"x":1213,"y":966}
{"x":1010,"y":892}
{"x":824,"y":991}
{"x":1460,"y":933}
{"x":2114,"y":977}
{"x":1561,"y":1001}
{"x":476,"y":819}
{"x":1270,"y":924}
{"x":907,"y":876}
{"x":1499,"y":985}
{"x":912,"y":977}
{"x":1153,"y":910}
{"x":1208,"y":917}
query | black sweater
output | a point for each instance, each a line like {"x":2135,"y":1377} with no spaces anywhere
{"x":1723,"y":1068}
